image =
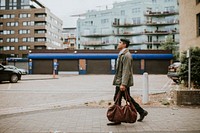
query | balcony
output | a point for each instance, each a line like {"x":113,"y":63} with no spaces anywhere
{"x":71,"y":37}
{"x":128,"y":34}
{"x":160,"y":14}
{"x":159,"y":32}
{"x":40,"y":19}
{"x":38,"y":27}
{"x":127,"y":25}
{"x":157,"y":42}
{"x":95,"y":43}
{"x":40,"y":35}
{"x":161,"y":23}
{"x":136,"y":43}
{"x":96,"y":35}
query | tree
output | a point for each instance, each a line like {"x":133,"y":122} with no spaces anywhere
{"x":195,"y":67}
{"x":170,"y":44}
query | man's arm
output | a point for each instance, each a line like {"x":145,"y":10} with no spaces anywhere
{"x":125,"y":72}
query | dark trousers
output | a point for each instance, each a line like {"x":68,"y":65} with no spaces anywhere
{"x":137,"y":106}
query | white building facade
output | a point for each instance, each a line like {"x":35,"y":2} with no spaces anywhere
{"x":146,"y":23}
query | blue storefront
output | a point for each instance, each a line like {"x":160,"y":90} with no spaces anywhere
{"x":90,"y":63}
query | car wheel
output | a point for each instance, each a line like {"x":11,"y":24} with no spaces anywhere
{"x":14,"y":78}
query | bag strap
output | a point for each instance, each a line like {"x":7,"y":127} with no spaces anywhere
{"x":127,"y":97}
{"x":117,"y":98}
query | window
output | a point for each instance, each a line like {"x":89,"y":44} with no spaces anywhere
{"x":136,"y":20}
{"x":12,"y":40}
{"x":136,"y":10}
{"x":24,"y":15}
{"x":2,"y":2}
{"x":122,"y":12}
{"x":153,"y":1}
{"x":103,"y":21}
{"x":24,"y":31}
{"x":40,"y":31}
{"x":198,"y":24}
{"x":9,"y":16}
{"x":40,"y":40}
{"x":12,"y":4}
{"x":1,"y":39}
{"x":12,"y":24}
{"x":12,"y":48}
{"x":8,"y":32}
{"x":28,"y":23}
{"x":149,"y":46}
{"x":5,"y":48}
{"x":87,"y":23}
{"x":28,"y":39}
{"x":168,"y":0}
{"x":23,"y":47}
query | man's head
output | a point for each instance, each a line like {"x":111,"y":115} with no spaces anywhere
{"x":123,"y":43}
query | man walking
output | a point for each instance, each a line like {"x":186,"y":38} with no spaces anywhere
{"x":123,"y":79}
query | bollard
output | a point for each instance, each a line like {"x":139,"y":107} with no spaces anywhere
{"x":145,"y":97}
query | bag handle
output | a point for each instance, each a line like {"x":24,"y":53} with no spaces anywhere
{"x":127,"y":97}
{"x":117,"y":98}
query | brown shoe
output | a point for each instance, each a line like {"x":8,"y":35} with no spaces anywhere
{"x":145,"y":113}
{"x":114,"y":123}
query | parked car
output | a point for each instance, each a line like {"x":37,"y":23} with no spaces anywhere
{"x":7,"y":74}
{"x":22,"y":71}
{"x":173,"y":72}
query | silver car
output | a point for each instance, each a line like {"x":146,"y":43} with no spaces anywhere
{"x":173,"y":72}
{"x":21,"y":71}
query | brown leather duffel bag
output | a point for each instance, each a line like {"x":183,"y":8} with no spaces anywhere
{"x":117,"y":113}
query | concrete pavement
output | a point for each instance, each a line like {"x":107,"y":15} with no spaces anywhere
{"x":40,"y":103}
{"x":39,"y":92}
{"x":93,"y":120}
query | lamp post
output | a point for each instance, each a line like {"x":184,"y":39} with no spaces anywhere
{"x":189,"y":68}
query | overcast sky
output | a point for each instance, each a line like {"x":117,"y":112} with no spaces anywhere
{"x":65,"y":8}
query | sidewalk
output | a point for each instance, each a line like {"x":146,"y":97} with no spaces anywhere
{"x":40,"y":103}
{"x":93,"y":120}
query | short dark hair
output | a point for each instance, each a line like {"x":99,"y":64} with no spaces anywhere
{"x":126,"y":41}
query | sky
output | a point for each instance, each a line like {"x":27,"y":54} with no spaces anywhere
{"x":65,"y":8}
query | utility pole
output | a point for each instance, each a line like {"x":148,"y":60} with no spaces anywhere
{"x":189,"y":68}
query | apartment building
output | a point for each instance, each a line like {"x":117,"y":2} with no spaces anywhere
{"x":147,"y":23}
{"x":69,"y":38}
{"x":189,"y":24}
{"x":26,"y":25}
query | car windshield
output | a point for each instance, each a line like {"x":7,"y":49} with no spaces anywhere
{"x":176,"y":64}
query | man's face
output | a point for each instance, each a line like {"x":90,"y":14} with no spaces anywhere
{"x":121,"y":45}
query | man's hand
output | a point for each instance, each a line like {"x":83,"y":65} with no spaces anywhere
{"x":122,"y":87}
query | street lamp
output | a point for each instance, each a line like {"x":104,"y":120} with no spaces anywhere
{"x":189,"y":68}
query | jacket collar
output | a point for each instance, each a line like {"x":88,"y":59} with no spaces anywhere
{"x":123,"y":51}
